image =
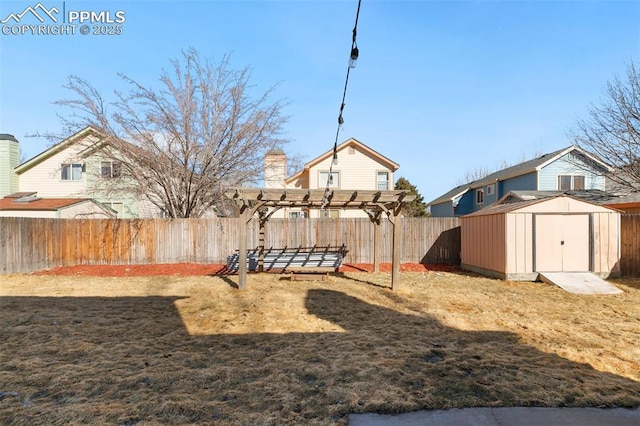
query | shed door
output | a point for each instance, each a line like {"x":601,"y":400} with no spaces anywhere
{"x":562,"y":243}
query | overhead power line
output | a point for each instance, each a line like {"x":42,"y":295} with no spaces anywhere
{"x":353,"y":57}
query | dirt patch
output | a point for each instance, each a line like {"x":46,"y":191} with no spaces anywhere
{"x":195,"y":350}
{"x":194,"y":269}
{"x":166,"y":269}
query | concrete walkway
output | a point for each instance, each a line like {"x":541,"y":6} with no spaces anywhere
{"x":520,"y":416}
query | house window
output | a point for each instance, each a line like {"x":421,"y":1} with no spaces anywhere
{"x":330,"y":213}
{"x":479,"y":196}
{"x":383,"y":181}
{"x":110,"y":169}
{"x":491,"y":189}
{"x":296,"y":215}
{"x":569,"y":182}
{"x":71,"y":172}
{"x":334,"y":179}
{"x":118,"y":207}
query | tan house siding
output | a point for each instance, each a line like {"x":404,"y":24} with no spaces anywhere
{"x":29,"y":213}
{"x":44,"y":178}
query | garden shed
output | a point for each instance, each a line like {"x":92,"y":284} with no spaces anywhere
{"x":516,"y":241}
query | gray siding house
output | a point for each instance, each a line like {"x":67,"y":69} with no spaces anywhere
{"x":568,"y":169}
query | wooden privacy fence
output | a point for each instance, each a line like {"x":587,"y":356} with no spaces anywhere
{"x":31,"y":244}
{"x":630,"y":245}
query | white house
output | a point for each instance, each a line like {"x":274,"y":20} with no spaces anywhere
{"x":358,"y":167}
{"x":74,"y":168}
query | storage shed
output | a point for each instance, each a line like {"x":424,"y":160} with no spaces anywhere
{"x":516,"y":241}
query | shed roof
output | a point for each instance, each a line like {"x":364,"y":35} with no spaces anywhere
{"x":521,"y":205}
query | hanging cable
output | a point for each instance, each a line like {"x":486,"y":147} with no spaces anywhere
{"x":353,"y":57}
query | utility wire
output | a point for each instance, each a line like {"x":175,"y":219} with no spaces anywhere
{"x":353,"y":56}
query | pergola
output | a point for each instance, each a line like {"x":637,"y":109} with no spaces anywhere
{"x":265,"y":202}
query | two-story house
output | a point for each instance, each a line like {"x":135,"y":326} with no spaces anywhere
{"x":75,"y":168}
{"x":568,"y":169}
{"x":358,"y":167}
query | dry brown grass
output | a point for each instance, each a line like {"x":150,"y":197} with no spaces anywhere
{"x":178,"y":350}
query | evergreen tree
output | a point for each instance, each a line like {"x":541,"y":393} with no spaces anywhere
{"x":417,"y":207}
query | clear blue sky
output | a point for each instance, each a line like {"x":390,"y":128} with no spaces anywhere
{"x":441,"y":87}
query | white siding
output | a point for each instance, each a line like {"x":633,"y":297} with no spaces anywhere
{"x":29,"y":213}
{"x":44,"y":178}
{"x":9,"y":159}
{"x":86,"y":210}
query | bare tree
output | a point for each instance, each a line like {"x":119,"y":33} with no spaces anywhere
{"x":472,"y":175}
{"x":612,"y":131}
{"x":182,"y":145}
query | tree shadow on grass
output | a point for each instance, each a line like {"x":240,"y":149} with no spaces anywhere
{"x":130,"y":360}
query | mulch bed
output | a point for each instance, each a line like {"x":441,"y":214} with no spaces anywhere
{"x":196,"y":269}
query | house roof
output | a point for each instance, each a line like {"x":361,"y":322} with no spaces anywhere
{"x":393,"y":166}
{"x":631,"y":200}
{"x":55,"y":149}
{"x":43,"y":204}
{"x":591,"y":195}
{"x":519,"y":170}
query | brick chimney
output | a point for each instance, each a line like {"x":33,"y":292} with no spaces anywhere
{"x":275,"y":169}
{"x":9,"y":159}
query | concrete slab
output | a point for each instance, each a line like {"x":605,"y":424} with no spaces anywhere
{"x":522,"y":416}
{"x":579,"y":282}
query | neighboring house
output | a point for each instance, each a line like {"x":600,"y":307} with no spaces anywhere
{"x":74,"y":168}
{"x":358,"y":167}
{"x":29,"y":205}
{"x":568,"y":169}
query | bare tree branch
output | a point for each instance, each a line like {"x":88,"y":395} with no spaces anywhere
{"x":612,"y":131}
{"x":181,"y":145}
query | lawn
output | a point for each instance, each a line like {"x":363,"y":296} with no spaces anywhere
{"x":171,"y":349}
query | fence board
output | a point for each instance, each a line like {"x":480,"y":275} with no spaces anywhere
{"x":630,"y":245}
{"x":30,"y":244}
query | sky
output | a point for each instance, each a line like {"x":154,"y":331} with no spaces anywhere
{"x":440,"y":87}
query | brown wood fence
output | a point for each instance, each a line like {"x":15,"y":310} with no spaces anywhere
{"x":630,"y":245}
{"x":30,"y":244}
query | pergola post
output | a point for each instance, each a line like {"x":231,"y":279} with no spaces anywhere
{"x":245,"y":217}
{"x":396,"y":223}
{"x":263,"y":221}
{"x":377,"y":223}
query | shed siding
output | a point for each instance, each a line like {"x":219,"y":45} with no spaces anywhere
{"x":605,"y":234}
{"x":519,"y":237}
{"x":503,"y":242}
{"x":483,"y":242}
{"x":569,"y":164}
